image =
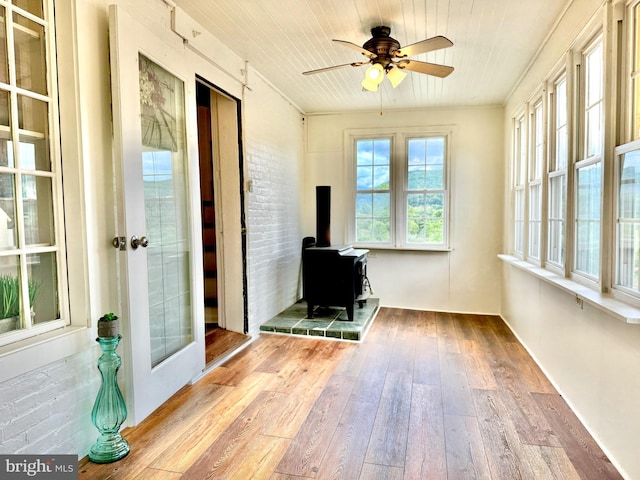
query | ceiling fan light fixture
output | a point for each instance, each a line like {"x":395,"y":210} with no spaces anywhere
{"x":375,"y":73}
{"x":370,"y":85}
{"x":395,"y":76}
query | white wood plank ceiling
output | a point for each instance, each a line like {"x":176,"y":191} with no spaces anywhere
{"x":494,"y":42}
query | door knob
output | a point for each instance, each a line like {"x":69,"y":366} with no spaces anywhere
{"x":139,"y":242}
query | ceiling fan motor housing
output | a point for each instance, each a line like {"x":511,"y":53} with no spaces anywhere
{"x":382,"y":45}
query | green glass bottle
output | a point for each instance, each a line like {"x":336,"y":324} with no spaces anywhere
{"x":109,"y":410}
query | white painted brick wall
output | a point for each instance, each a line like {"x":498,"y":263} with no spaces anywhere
{"x":49,"y":410}
{"x":274,"y":165}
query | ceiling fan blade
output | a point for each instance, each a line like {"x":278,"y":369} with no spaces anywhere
{"x":334,"y":67}
{"x":424,"y":67}
{"x":357,"y":48}
{"x":428,"y":45}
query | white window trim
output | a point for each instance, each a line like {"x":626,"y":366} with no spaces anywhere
{"x":37,"y":351}
{"x":399,"y":137}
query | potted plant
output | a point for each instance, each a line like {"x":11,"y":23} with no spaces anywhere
{"x":108,"y":326}
{"x":10,"y":301}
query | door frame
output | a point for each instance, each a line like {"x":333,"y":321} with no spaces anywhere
{"x":229,"y":207}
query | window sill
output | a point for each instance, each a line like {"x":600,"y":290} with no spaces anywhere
{"x":35,"y":352}
{"x":403,"y":249}
{"x":602,"y":301}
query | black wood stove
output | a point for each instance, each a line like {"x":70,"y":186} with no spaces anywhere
{"x":332,"y":275}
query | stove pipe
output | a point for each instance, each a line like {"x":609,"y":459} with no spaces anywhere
{"x":323,"y":216}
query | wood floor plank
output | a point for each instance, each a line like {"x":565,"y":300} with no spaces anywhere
{"x":505,"y":455}
{"x":217,"y":460}
{"x":370,"y":382}
{"x":388,"y":442}
{"x":380,"y":472}
{"x":550,"y":463}
{"x":446,"y":330}
{"x":586,"y":456}
{"x":466,"y":458}
{"x":456,"y":394}
{"x":426,"y":368}
{"x":346,"y":451}
{"x":307,"y":448}
{"x":426,"y":457}
{"x":477,"y":366}
{"x":187,"y":448}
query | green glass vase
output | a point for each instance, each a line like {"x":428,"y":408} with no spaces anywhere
{"x":109,"y":410}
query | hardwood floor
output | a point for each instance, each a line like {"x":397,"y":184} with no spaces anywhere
{"x":220,"y":342}
{"x":425,"y":396}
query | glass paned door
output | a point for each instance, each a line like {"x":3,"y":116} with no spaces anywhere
{"x":164,"y":160}
{"x":153,"y":88}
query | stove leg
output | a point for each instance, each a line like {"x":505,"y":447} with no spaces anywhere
{"x":309,"y":310}
{"x":350,"y":312}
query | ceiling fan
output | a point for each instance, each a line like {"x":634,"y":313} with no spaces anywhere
{"x":386,"y":56}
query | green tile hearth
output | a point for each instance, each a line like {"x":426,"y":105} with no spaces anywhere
{"x":329,"y":322}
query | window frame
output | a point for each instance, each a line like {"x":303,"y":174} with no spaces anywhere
{"x":583,"y":160}
{"x":72,"y":336}
{"x":398,"y":184}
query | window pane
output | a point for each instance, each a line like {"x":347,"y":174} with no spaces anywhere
{"x":373,"y":217}
{"x":31,"y":6}
{"x":594,"y":131}
{"x":381,"y":151}
{"x":562,"y":151}
{"x":37,"y":202}
{"x":417,"y":179}
{"x":7,"y":212}
{"x":425,"y":163}
{"x":425,"y":214}
{"x":10,"y":294}
{"x":628,"y":261}
{"x":537,"y":160}
{"x":593,"y":102}
{"x":33,"y":117}
{"x":594,"y":75}
{"x":560,"y":121}
{"x":43,"y":287}
{"x":30,"y":56}
{"x":364,"y":178}
{"x":587,"y":258}
{"x":364,"y":152}
{"x":534,"y":220}
{"x":518,"y":234}
{"x":4,"y":64}
{"x":381,"y":177}
{"x":557,"y":196}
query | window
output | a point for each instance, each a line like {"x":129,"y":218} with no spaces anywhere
{"x":31,"y":239}
{"x":519,"y":177}
{"x":535,"y":182}
{"x":401,"y":190}
{"x":557,"y":173}
{"x":628,"y":217}
{"x":635,"y":74}
{"x":373,"y":190}
{"x":588,"y":170}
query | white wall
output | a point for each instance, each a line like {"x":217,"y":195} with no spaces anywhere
{"x":591,"y":357}
{"x":466,"y":279}
{"x":49,"y":409}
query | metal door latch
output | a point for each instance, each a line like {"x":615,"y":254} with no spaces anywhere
{"x":120,"y":243}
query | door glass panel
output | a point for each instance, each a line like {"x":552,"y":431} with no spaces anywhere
{"x":30,"y":56}
{"x":164,"y":170}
